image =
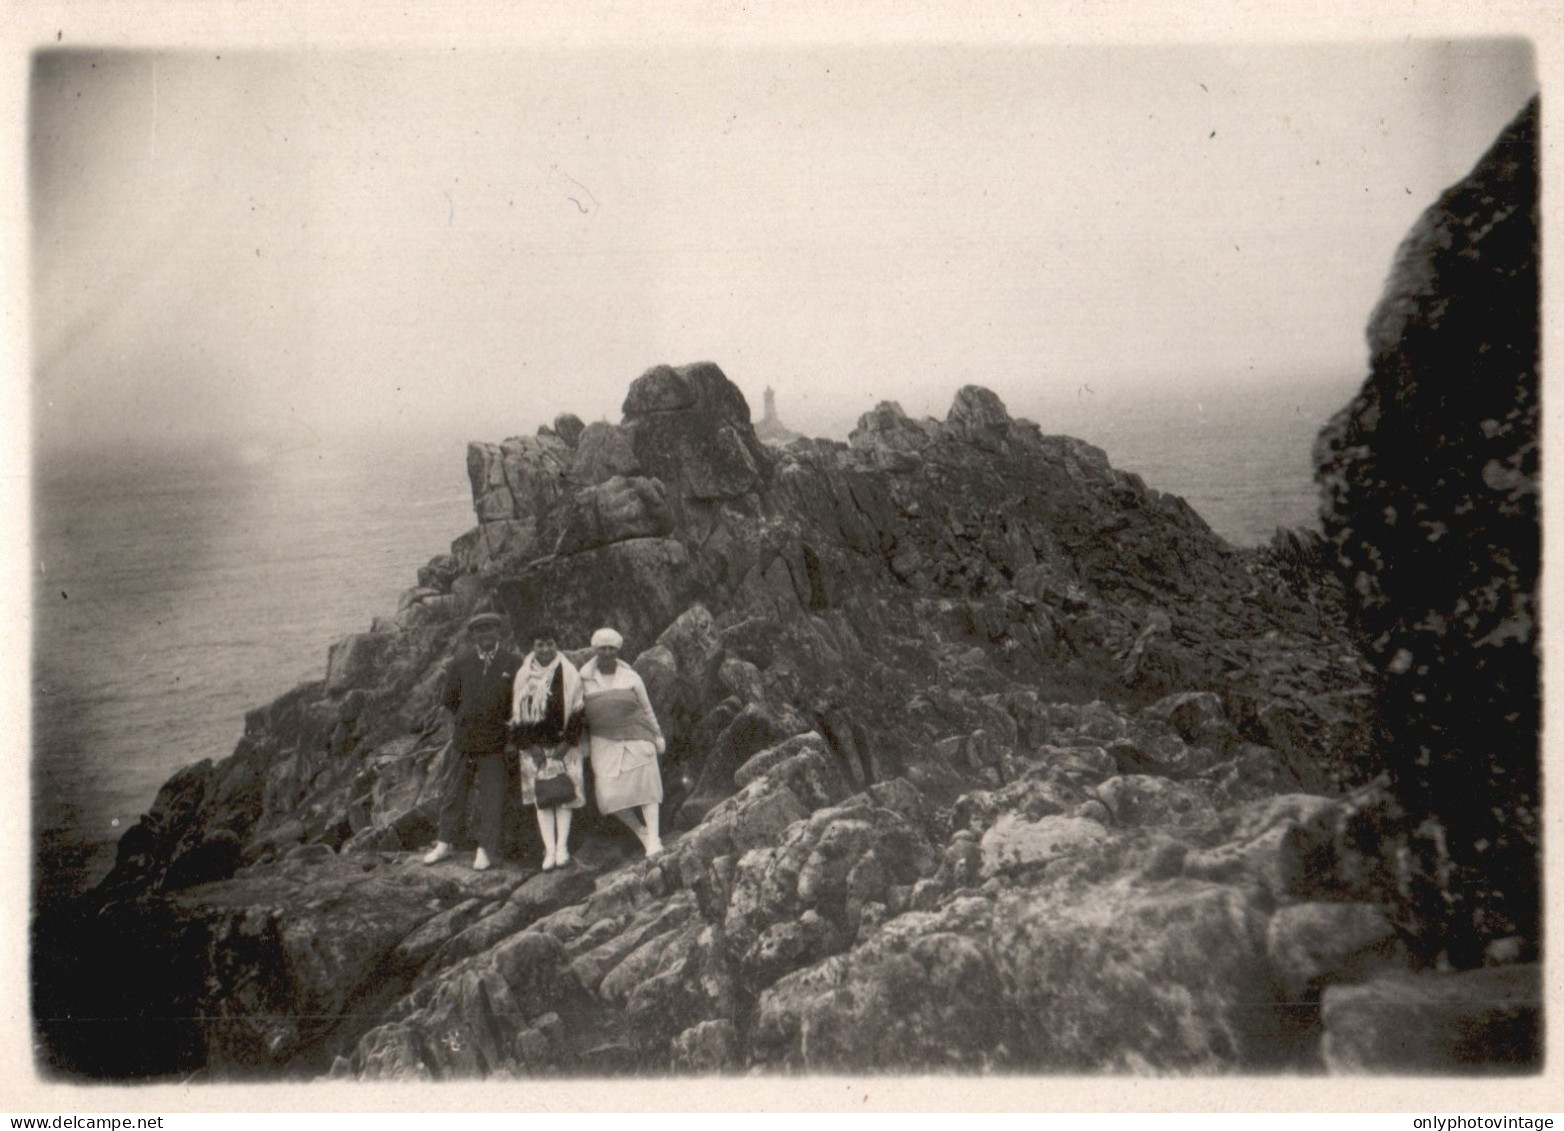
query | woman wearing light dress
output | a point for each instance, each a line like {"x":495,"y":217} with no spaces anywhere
{"x":625,"y":740}
{"x":546,"y":720}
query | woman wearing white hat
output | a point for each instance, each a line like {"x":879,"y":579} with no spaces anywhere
{"x":625,"y":740}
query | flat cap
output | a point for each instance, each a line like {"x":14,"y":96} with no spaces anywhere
{"x":486,"y":618}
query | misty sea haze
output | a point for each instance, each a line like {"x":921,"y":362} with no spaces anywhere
{"x":173,"y":593}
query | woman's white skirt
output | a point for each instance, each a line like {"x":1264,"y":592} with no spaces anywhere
{"x":625,"y":773}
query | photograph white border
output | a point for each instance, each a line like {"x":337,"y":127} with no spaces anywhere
{"x":391,"y":25}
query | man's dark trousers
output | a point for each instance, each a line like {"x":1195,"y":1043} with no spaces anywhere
{"x":485,"y":774}
{"x":478,"y":694}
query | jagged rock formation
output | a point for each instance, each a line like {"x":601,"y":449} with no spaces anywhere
{"x":1431,"y":502}
{"x":929,"y":666}
{"x":982,"y":754}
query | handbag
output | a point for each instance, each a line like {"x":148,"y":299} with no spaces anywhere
{"x":553,"y":787}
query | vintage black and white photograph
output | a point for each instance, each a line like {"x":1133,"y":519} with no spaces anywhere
{"x":642,"y":560}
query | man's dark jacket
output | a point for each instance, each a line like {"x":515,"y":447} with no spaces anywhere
{"x":480,"y":699}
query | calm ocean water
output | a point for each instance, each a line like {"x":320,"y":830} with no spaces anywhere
{"x":174,"y":592}
{"x":1238,"y":454}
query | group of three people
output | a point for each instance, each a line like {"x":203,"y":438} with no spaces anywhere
{"x":542,"y":706}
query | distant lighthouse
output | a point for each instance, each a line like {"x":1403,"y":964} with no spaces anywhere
{"x":768,"y":428}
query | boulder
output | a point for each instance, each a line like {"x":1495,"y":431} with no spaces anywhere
{"x":1143,"y":800}
{"x":691,"y":428}
{"x":602,"y":452}
{"x":514,"y":486}
{"x":499,"y":1013}
{"x":1311,"y":944}
{"x":695,"y":646}
{"x":358,"y":660}
{"x":613,"y":511}
{"x":922,"y":991}
{"x":1197,"y":717}
{"x":980,"y":415}
{"x":816,"y":867}
{"x":1170,"y":978}
{"x":491,"y":497}
{"x":753,"y":729}
{"x":1478,"y":1021}
{"x":568,"y":427}
{"x":1012,"y":844}
{"x":740,"y":679}
{"x":439,"y":573}
{"x":804,"y":766}
{"x":1164,"y":755}
{"x":890,"y":440}
{"x":706,"y":1048}
{"x":767,"y":760}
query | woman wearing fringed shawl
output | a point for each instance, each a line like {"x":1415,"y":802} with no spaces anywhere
{"x":546,"y":719}
{"x":625,"y":740}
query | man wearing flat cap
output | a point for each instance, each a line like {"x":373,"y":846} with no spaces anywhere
{"x":478,"y":693}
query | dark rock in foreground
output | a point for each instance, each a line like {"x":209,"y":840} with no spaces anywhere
{"x":1431,"y":487}
{"x":1479,"y":1020}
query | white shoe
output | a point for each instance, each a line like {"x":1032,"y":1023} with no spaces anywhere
{"x":438,"y":853}
{"x":653,"y":847}
{"x":561,"y":859}
{"x":480,"y":862}
{"x":549,"y":863}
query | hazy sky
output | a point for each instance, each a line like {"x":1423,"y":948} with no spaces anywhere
{"x":297,"y":244}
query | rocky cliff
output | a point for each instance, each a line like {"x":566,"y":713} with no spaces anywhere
{"x":982,"y":755}
{"x":1430,"y":501}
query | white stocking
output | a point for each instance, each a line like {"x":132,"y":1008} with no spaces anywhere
{"x":562,"y":817}
{"x":546,"y":827}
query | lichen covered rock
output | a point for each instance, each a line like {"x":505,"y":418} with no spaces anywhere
{"x":1431,"y":487}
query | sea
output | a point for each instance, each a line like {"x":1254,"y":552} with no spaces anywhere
{"x":174,"y":589}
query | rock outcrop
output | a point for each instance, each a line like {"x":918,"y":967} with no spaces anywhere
{"x":921,"y":669}
{"x":982,"y":755}
{"x":1431,"y":488}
